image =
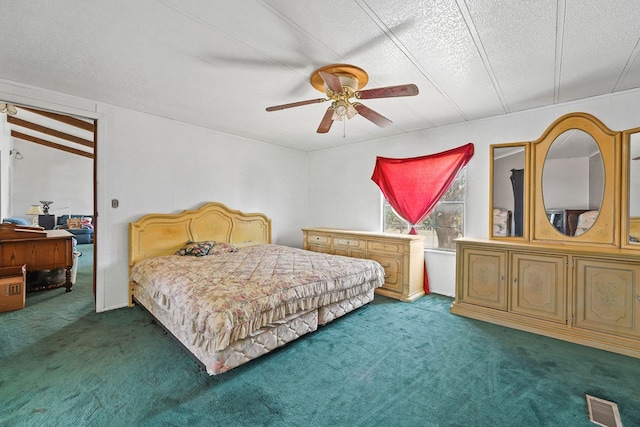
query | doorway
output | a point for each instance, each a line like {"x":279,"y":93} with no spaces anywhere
{"x":55,"y":170}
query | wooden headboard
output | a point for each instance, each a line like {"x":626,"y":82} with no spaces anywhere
{"x":163,"y":234}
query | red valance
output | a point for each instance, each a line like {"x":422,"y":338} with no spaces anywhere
{"x":413,"y":186}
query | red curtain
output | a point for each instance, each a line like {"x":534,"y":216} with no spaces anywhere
{"x":414,"y":186}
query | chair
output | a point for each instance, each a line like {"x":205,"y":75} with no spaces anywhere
{"x":81,"y":226}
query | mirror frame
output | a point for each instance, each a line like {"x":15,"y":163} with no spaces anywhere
{"x":606,"y":229}
{"x":525,"y":206}
{"x":626,"y":190}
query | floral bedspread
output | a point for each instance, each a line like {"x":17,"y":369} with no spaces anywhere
{"x":226,"y":297}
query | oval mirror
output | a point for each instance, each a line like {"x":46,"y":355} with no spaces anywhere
{"x":573,"y":182}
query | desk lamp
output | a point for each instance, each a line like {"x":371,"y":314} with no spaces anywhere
{"x":35,"y":210}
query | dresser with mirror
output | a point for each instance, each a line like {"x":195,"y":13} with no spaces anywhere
{"x":563,"y":257}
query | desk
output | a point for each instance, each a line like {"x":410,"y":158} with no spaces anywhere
{"x":38,"y":250}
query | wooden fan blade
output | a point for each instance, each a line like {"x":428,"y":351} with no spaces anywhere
{"x":388,"y":92}
{"x":372,"y":116}
{"x":332,"y":81}
{"x":296,"y":104}
{"x":326,"y":122}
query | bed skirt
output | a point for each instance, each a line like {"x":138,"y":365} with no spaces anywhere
{"x":261,"y":341}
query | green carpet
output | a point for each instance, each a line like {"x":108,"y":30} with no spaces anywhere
{"x":388,"y":364}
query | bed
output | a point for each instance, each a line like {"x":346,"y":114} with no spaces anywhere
{"x":246,"y":296}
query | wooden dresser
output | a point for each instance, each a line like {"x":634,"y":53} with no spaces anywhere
{"x":401,"y":255}
{"x":550,"y":280}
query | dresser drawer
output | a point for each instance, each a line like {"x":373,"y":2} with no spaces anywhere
{"x":384,"y":246}
{"x":318,"y":239}
{"x":392,"y":268}
{"x":320,"y":248}
{"x":353,"y":253}
{"x":350,"y":242}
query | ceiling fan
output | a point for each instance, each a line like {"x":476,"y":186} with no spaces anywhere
{"x":341,"y":83}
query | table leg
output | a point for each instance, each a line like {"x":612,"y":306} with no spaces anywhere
{"x":68,"y":284}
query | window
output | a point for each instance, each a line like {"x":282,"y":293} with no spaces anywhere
{"x":444,"y":224}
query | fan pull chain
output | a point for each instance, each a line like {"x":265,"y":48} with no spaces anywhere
{"x":344,"y":128}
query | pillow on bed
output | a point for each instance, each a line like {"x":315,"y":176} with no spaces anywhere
{"x":196,"y":248}
{"x":222,"y":248}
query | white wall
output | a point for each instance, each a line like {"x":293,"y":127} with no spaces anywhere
{"x":565,"y":183}
{"x":152,"y":164}
{"x":596,"y":181}
{"x":341,"y":193}
{"x":503,"y":195}
{"x":6,"y":166}
{"x":49,"y":174}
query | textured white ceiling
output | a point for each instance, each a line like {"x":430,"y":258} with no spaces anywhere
{"x":219,"y":64}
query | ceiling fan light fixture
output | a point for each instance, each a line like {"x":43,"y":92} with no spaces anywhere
{"x":351,"y":111}
{"x":349,"y":83}
{"x":7,"y":108}
{"x":341,"y":107}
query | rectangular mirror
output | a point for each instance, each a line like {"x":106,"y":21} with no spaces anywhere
{"x":631,"y":189}
{"x":509,"y":185}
